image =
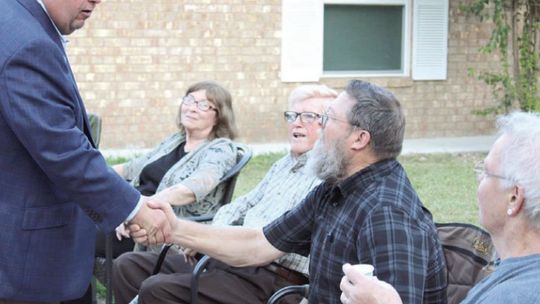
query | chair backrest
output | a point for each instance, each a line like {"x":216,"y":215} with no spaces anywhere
{"x":95,"y":127}
{"x":469,"y":255}
{"x":243,"y":155}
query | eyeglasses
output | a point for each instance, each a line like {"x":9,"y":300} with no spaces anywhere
{"x":481,"y":172}
{"x":325,"y":117}
{"x":305,"y":117}
{"x":203,"y":104}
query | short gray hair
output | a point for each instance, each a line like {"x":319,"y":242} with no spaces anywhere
{"x":379,"y":112}
{"x":520,"y":158}
{"x":308,"y":91}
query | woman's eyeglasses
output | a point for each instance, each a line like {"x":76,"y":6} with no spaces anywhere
{"x":203,"y":104}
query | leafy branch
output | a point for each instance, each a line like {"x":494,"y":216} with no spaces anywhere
{"x":516,"y":30}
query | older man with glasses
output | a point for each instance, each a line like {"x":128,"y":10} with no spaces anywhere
{"x":283,"y":187}
{"x":365,"y":211}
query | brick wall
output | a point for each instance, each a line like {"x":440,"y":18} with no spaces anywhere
{"x":135,"y":58}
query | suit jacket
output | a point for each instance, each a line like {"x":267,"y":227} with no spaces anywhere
{"x":55,"y":187}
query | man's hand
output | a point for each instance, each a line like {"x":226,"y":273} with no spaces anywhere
{"x":189,"y":256}
{"x":360,"y":289}
{"x":143,"y":235}
{"x":155,"y":224}
{"x":122,"y":232}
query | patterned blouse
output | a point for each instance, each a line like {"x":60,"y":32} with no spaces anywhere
{"x":200,"y":170}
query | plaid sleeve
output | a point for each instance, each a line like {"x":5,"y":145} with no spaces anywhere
{"x":399,"y":249}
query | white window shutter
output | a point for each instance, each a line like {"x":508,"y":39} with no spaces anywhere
{"x":430,"y":40}
{"x":301,"y":40}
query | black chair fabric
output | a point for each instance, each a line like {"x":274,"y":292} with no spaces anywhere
{"x":95,"y":128}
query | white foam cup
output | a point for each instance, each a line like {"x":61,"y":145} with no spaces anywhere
{"x":365,"y":269}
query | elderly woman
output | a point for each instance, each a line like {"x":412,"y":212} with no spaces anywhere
{"x":509,"y":203}
{"x":185,"y":169}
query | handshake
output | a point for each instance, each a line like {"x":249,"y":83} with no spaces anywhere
{"x":153,"y":224}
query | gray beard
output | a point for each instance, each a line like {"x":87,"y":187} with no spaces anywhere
{"x":328,"y":166}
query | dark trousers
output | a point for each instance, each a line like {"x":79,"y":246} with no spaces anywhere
{"x":85,"y":299}
{"x":118,"y":247}
{"x":23,"y":302}
{"x":221,"y":283}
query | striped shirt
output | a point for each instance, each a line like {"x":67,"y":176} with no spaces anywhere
{"x":373,"y":217}
{"x":283,"y":187}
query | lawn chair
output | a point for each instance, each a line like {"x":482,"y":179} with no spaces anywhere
{"x":95,"y":128}
{"x":243,"y":156}
{"x":470,"y":256}
{"x":95,"y":132}
{"x":302,"y":290}
{"x":469,"y":253}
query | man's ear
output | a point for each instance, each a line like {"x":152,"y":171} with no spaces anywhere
{"x":517,"y":199}
{"x":361,"y":139}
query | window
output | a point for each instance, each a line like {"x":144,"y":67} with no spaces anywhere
{"x":363,"y":38}
{"x":351,"y":38}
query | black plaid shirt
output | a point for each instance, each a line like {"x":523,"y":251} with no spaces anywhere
{"x":372,"y":217}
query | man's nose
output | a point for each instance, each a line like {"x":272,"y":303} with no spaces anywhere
{"x":297,"y":121}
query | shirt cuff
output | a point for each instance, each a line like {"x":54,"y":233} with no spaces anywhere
{"x":136,"y":209}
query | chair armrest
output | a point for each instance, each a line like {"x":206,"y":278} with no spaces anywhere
{"x":161,"y":258}
{"x":302,"y":290}
{"x":199,"y":218}
{"x":199,"y":268}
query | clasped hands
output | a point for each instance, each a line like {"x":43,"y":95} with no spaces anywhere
{"x":153,"y":224}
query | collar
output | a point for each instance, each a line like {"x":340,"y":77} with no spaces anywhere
{"x":63,"y":38}
{"x":366,"y":176}
{"x":300,"y":161}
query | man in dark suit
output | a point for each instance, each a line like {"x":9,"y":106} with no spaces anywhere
{"x":55,"y":187}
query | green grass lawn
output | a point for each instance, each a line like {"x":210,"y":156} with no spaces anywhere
{"x":445,"y":183}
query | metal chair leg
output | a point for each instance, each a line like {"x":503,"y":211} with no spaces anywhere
{"x":94,"y":290}
{"x":199,"y":268}
{"x":108,"y":267}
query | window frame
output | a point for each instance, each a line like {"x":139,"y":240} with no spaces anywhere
{"x":406,"y":41}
